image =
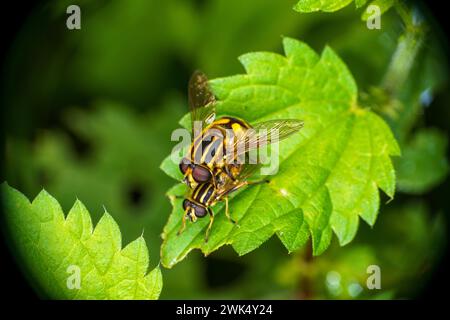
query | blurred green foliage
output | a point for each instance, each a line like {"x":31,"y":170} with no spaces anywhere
{"x":404,"y":244}
{"x":423,"y":164}
{"x":90,"y":114}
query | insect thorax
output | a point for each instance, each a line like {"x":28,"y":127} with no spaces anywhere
{"x":214,"y":147}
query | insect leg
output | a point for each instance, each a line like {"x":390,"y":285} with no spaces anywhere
{"x":211,"y":220}
{"x":237,"y":186}
{"x":214,"y":181}
{"x":249,"y":183}
{"x":227,"y":213}
{"x":227,"y":171}
{"x":183,"y":225}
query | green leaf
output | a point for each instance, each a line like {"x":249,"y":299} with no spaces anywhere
{"x":54,"y":249}
{"x":384,"y":6}
{"x":423,"y":164}
{"x":360,"y":3}
{"x":328,"y":174}
{"x":335,"y":5}
{"x":325,"y":5}
{"x":101,"y":174}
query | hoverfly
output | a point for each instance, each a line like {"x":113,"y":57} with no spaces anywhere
{"x":209,"y":170}
{"x":207,"y":155}
{"x":206,"y":195}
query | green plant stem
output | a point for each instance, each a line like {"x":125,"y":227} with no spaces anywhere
{"x":404,"y":12}
{"x":306,"y":285}
{"x":409,"y":45}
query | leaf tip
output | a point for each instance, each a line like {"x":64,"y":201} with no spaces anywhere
{"x":343,"y":241}
{"x":78,"y":203}
{"x":43,"y":195}
{"x":327,"y":50}
{"x":391,"y":198}
{"x":44,"y":192}
{"x":5,"y":187}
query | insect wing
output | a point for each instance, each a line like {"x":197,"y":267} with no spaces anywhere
{"x":246,"y":172}
{"x":265,"y":133}
{"x":201,"y":100}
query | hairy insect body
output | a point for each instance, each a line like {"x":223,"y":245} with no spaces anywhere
{"x":213,"y":152}
{"x":211,"y":147}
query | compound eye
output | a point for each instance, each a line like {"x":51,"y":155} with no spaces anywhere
{"x":186,"y":203}
{"x":201,"y":174}
{"x":200,"y":211}
{"x":184,"y":165}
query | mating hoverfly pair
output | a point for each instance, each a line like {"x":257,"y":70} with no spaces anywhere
{"x":213,"y":167}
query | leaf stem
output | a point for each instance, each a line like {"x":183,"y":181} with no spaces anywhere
{"x":409,"y":45}
{"x":306,"y":287}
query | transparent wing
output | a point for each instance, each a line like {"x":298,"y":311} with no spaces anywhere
{"x":248,"y":170}
{"x":265,"y":133}
{"x":201,"y":100}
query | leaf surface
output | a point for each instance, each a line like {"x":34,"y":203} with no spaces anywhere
{"x":325,"y":5}
{"x":56,"y":250}
{"x":306,"y":6}
{"x":329,"y":173}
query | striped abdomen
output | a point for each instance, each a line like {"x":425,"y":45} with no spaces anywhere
{"x":210,"y":147}
{"x":204,"y":194}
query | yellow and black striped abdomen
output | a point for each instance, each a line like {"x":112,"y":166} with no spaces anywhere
{"x":204,"y":194}
{"x":210,"y":147}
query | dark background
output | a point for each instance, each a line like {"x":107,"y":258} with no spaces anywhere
{"x":18,"y":287}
